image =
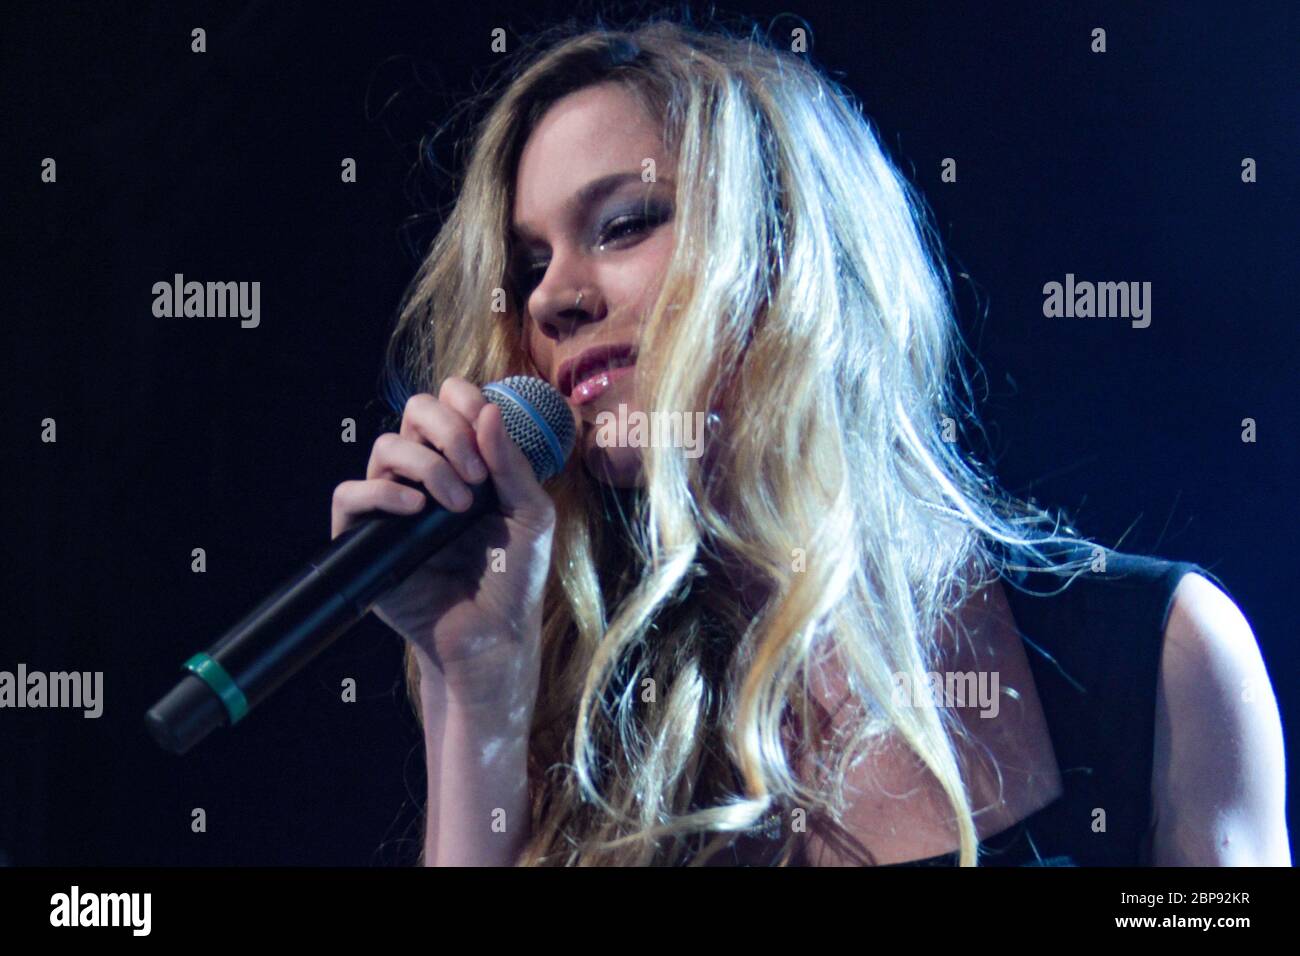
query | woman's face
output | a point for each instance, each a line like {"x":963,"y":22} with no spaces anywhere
{"x":585,"y":222}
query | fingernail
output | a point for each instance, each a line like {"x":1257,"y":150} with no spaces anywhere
{"x":461,"y":498}
{"x":412,"y":497}
{"x":475,"y":468}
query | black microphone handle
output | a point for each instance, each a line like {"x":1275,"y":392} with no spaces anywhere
{"x":306,"y":614}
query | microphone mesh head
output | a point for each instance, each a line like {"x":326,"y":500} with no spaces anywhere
{"x":537,"y":419}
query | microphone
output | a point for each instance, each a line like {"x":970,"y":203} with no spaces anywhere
{"x":343,"y":581}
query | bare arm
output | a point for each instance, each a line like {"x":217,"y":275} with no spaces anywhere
{"x":1219,"y":783}
{"x":476,"y":760}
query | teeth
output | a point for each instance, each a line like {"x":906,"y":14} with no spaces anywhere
{"x":609,"y":366}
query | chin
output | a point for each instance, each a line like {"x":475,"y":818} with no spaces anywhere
{"x":618,"y":467}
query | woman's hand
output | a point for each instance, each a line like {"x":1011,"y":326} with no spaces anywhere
{"x":472,"y":612}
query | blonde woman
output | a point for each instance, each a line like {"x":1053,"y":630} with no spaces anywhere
{"x":824,"y":637}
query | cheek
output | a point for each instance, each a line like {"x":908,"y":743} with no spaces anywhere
{"x":536,"y":354}
{"x":655,"y":266}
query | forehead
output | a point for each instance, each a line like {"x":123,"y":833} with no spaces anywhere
{"x":584,"y":136}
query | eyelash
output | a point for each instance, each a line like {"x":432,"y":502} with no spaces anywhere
{"x":526,"y":277}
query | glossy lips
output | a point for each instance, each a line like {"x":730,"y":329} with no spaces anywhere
{"x":599,"y":362}
{"x":590,"y":388}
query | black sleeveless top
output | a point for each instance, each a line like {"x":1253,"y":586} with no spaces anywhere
{"x":1094,"y":652}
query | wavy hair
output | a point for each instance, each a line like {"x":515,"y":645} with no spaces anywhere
{"x":807,"y":305}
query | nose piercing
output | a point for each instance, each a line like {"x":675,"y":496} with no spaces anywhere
{"x":579,"y":302}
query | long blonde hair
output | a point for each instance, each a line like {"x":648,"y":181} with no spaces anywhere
{"x":807,"y":305}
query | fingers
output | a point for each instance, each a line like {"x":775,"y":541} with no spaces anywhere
{"x":396,"y":457}
{"x":355,"y":498}
{"x":462,"y":395}
{"x":441,"y":426}
{"x":519,"y":494}
{"x":446,"y":444}
{"x":436,"y":445}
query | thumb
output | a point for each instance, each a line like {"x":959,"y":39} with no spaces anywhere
{"x":519,"y":493}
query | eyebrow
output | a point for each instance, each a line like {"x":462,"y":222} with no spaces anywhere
{"x":593,"y":192}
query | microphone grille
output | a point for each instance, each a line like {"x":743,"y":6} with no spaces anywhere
{"x":537,"y":419}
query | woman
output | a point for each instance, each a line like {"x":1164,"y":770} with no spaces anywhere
{"x":667,"y":658}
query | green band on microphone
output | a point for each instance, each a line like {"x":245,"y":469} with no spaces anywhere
{"x":214,"y":675}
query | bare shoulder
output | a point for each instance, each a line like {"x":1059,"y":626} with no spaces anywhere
{"x":1219,"y":780}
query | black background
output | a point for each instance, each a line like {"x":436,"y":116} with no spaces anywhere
{"x":182,"y":433}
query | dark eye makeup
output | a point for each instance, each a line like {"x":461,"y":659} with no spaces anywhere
{"x":529,"y":274}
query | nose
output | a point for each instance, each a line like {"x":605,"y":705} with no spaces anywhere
{"x":564,"y":301}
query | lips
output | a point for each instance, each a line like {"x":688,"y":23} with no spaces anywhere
{"x":599,"y":358}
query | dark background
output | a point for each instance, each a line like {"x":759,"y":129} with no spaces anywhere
{"x":183,"y":433}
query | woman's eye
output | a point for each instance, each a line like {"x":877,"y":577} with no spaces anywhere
{"x":632,"y":224}
{"x":530,"y":274}
{"x":625,"y":226}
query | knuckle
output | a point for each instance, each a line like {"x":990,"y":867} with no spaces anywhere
{"x":415,"y":405}
{"x":381,"y":451}
{"x":341,"y":492}
{"x":451,"y":384}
